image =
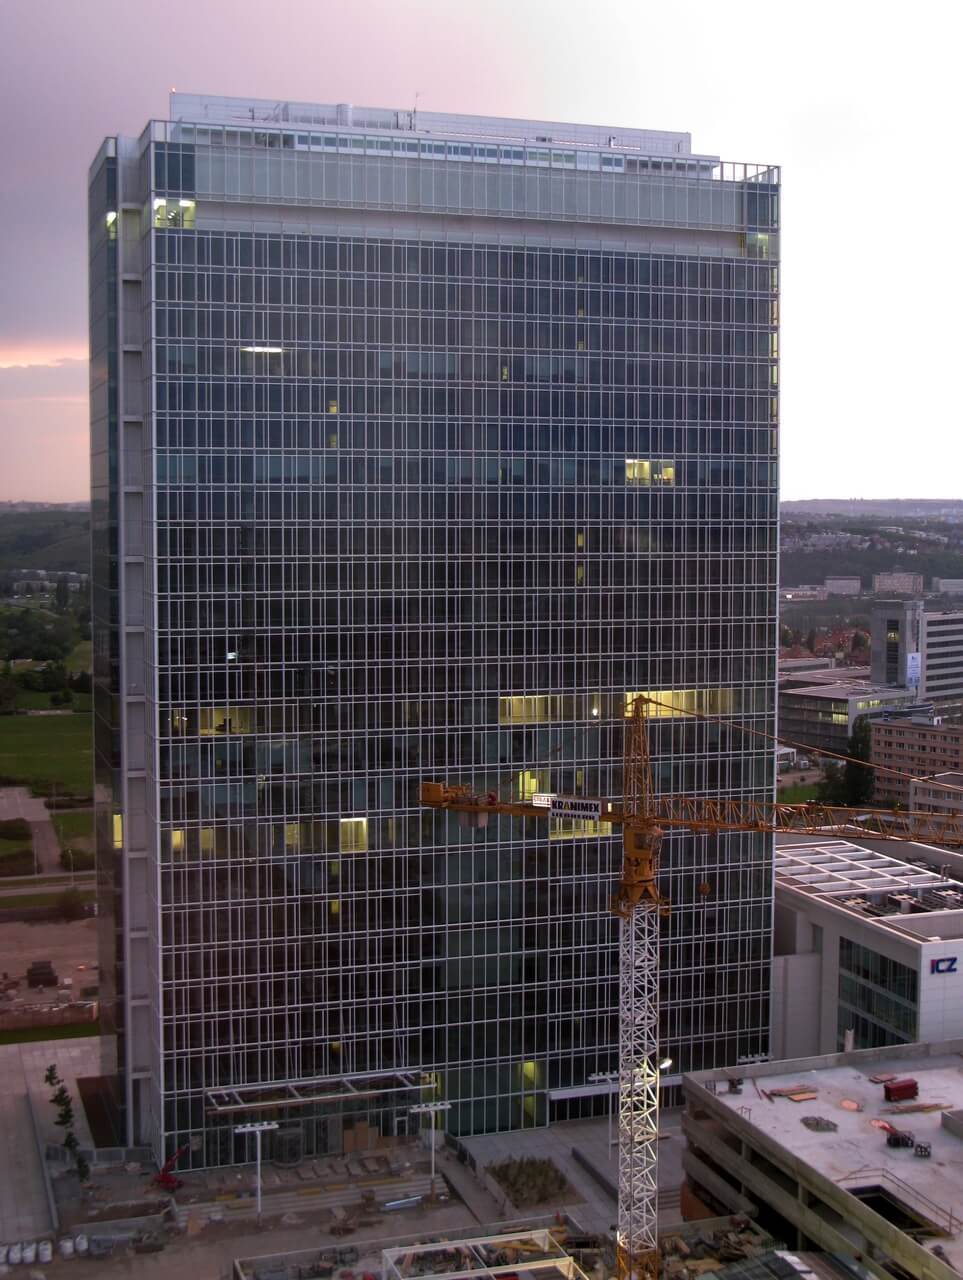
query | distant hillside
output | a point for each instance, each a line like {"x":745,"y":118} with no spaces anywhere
{"x":908,"y":508}
{"x":54,"y":538}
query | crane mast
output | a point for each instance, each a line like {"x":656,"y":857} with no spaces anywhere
{"x":638,"y":904}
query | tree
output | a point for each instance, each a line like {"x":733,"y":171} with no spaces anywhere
{"x":858,"y":641}
{"x":62,"y":595}
{"x":70,"y":905}
{"x":65,"y":1108}
{"x":858,"y":778}
{"x":811,"y":640}
{"x":61,"y":1099}
{"x":850,"y":783}
{"x":8,"y":695}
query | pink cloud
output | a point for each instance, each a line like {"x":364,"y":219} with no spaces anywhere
{"x":43,"y":426}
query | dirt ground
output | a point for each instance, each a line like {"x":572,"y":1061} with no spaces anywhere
{"x":210,"y":1255}
{"x":71,"y":948}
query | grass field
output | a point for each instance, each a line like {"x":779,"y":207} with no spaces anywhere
{"x":74,"y":1031}
{"x":51,"y":750}
{"x":16,"y":858}
{"x":80,"y":657}
{"x":73,"y":824}
{"x":39,"y":700}
{"x":798,"y":793}
{"x":11,"y":901}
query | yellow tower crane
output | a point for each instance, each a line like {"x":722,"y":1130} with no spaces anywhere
{"x":643,"y":817}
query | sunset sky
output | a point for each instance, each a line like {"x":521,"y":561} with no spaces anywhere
{"x":859,"y":102}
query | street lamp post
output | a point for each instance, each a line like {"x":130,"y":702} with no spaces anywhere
{"x":261,"y":1126}
{"x":610,"y":1078}
{"x":431,"y":1109}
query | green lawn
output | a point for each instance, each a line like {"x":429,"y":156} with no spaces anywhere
{"x":16,"y":858}
{"x":49,"y":751}
{"x":11,"y":901}
{"x":798,"y":793}
{"x":73,"y":1031}
{"x":36,"y":604}
{"x":81,"y":657}
{"x":39,"y":700}
{"x":73,"y":824}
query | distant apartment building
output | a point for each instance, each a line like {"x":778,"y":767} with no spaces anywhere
{"x":824,"y":715}
{"x":843,"y":586}
{"x":910,"y":584}
{"x":942,"y":793}
{"x":948,"y":586}
{"x":920,"y":649}
{"x":915,"y":749}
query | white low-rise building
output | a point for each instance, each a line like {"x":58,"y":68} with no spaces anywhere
{"x":868,"y":945}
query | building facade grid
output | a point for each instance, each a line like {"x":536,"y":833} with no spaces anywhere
{"x":431,"y":499}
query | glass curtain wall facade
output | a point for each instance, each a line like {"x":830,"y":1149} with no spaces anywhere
{"x":432,"y":453}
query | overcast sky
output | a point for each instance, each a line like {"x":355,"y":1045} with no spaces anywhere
{"x":859,"y":102}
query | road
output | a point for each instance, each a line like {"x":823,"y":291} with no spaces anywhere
{"x":17,"y":802}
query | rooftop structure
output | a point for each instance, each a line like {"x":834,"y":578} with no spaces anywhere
{"x":209,"y":109}
{"x":820,"y":1168}
{"x":865,"y":881}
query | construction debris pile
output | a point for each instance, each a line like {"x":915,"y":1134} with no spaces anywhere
{"x":819,"y":1124}
{"x":530,"y":1180}
{"x":685,"y":1258}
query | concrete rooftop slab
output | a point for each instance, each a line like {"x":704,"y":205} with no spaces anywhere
{"x":856,"y":1151}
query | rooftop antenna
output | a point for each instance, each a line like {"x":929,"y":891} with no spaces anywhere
{"x":414,"y":110}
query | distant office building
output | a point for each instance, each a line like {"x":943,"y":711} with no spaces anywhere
{"x":941,"y":793}
{"x":948,"y":586}
{"x":910,"y":584}
{"x":857,"y":930}
{"x":843,"y":586}
{"x":917,"y":748}
{"x":823,"y":715}
{"x":420,"y":443}
{"x":920,"y":649}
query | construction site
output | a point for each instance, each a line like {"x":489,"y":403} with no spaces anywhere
{"x":611,"y":1213}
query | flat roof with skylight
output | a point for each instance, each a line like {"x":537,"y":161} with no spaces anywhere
{"x":878,"y":886}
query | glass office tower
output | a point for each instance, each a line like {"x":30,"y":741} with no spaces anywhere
{"x":420,"y":445}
